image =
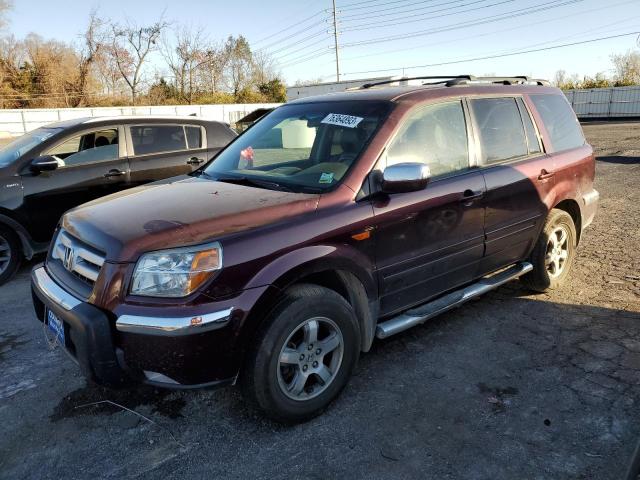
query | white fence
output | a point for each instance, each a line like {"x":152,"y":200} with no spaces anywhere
{"x":611,"y":102}
{"x":16,"y":122}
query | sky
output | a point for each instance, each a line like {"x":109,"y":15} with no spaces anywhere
{"x":379,"y":37}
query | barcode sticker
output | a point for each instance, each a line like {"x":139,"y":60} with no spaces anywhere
{"x":341,"y":120}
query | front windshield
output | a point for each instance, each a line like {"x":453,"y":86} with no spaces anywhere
{"x":14,"y":150}
{"x":301,"y":147}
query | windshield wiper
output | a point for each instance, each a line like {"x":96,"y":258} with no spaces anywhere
{"x":253,"y":182}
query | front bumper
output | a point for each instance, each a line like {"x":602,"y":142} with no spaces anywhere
{"x":188,"y":347}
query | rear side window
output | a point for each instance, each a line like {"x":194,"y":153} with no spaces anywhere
{"x":532,"y":138}
{"x":500,"y":129}
{"x":559,"y":120}
{"x":194,"y":137}
{"x":157,"y":138}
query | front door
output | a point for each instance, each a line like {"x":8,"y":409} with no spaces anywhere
{"x":90,"y":165}
{"x":430,"y":241}
{"x":159,"y":151}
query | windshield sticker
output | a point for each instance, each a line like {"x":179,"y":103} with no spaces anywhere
{"x":326,"y":178}
{"x":348,"y":121}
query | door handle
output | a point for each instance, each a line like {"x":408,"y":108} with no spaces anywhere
{"x":469,"y":196}
{"x":114,"y":173}
{"x":544,"y":174}
{"x":195,"y":161}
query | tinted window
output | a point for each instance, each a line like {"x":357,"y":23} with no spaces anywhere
{"x":532,"y":138}
{"x":499,"y":128}
{"x":560,"y":121}
{"x":157,"y":138}
{"x":435,"y":135}
{"x":194,"y":137}
{"x":98,"y":146}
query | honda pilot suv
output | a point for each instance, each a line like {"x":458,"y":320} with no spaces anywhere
{"x":331,"y":221}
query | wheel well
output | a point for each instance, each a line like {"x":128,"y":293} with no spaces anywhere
{"x":573,"y":209}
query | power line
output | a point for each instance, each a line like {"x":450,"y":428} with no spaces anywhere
{"x":395,"y":11}
{"x":494,"y":32}
{"x":295,"y":34}
{"x":470,"y":23}
{"x":488,"y":57}
{"x":317,"y":42}
{"x":288,"y":27}
{"x":349,"y":6}
{"x":386,"y":4}
{"x":298,"y":42}
{"x":365,"y":26}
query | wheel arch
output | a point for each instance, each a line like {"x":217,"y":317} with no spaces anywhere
{"x":572,"y":207}
{"x":339,"y":268}
{"x":26,"y":242}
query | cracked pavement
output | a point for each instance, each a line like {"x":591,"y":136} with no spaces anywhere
{"x":512,"y":385}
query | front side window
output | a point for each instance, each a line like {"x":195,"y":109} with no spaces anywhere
{"x":15,"y":149}
{"x":435,"y":135}
{"x":500,"y":129}
{"x":303,"y":147}
{"x":97,"y":146}
{"x":560,"y":121}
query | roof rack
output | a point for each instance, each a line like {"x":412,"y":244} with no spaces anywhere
{"x":453,"y":80}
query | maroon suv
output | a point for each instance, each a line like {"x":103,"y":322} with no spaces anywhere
{"x":329,"y":222}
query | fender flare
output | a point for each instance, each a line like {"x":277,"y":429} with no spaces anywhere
{"x":29,"y":248}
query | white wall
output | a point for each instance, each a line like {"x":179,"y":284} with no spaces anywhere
{"x":16,"y":122}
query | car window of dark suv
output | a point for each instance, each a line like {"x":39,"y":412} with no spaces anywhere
{"x":435,"y":135}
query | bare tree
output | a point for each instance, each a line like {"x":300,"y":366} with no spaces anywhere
{"x":93,"y":43}
{"x":130,"y":46}
{"x":240,"y":62}
{"x":185,"y":54}
{"x":212,"y":71}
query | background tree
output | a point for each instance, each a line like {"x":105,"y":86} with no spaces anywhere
{"x":131,"y":45}
{"x":627,"y":68}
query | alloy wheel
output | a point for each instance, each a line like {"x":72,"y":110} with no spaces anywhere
{"x":310,"y":358}
{"x":557,"y":251}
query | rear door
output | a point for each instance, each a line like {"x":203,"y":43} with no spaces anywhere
{"x":431,"y":240}
{"x":92,"y":164}
{"x":159,"y":151}
{"x":518,"y":176}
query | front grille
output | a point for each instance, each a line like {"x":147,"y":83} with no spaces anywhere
{"x":76,"y":257}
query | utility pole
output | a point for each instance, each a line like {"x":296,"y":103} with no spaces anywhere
{"x":335,"y":40}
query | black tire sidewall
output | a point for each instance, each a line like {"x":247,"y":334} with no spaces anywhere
{"x":539,"y":279}
{"x":293,"y":311}
{"x":16,"y":254}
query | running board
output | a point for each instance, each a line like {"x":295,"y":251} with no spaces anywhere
{"x":424,"y":312}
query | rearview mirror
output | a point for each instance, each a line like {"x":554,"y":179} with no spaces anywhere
{"x":46,"y":163}
{"x":405,"y":177}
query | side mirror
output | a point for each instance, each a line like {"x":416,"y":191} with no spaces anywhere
{"x":46,"y":163}
{"x":405,"y":177}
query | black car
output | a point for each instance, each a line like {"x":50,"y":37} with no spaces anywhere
{"x":54,"y":168}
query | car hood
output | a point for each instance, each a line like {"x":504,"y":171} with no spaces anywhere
{"x":177,"y":212}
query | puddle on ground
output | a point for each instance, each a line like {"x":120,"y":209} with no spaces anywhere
{"x":8,"y":342}
{"x":168,"y":403}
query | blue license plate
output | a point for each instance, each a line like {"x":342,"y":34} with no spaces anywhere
{"x":56,"y":326}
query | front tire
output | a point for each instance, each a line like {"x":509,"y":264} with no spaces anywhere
{"x":10,"y":254}
{"x":554,"y":253}
{"x":303,"y":355}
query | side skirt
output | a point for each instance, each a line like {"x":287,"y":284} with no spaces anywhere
{"x":424,"y":312}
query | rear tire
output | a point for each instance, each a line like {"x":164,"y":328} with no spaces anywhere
{"x":553,"y":254}
{"x":10,"y":254}
{"x":303,"y":355}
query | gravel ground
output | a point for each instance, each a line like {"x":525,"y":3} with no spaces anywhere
{"x":512,"y":385}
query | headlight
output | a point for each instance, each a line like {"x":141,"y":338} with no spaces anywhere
{"x":177,"y":272}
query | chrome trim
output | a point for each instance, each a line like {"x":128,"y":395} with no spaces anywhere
{"x":77,"y":258}
{"x":591,"y":197}
{"x":53,"y":291}
{"x":421,"y":314}
{"x":173,"y":326}
{"x":406,"y":172}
